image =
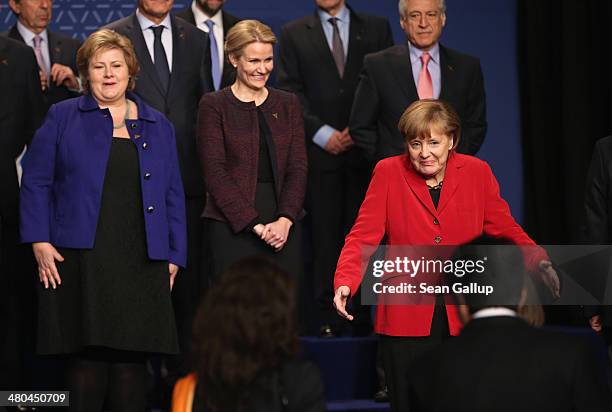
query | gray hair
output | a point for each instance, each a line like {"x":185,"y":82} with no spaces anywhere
{"x":402,"y":7}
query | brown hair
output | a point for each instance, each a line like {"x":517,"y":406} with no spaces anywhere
{"x":424,"y":115}
{"x":245,"y":327}
{"x":106,"y":39}
{"x":244,"y":33}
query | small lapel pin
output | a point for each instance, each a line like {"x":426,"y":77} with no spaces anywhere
{"x":275,"y":115}
{"x":5,"y":62}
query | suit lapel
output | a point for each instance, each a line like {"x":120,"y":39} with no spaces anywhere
{"x":134,"y":32}
{"x":419,"y":187}
{"x":402,"y":69}
{"x":55,"y":48}
{"x":446,"y":74}
{"x":227,"y":24}
{"x":354,"y":58}
{"x":190,"y":17}
{"x":15,"y":35}
{"x":319,"y":43}
{"x":178,"y":50}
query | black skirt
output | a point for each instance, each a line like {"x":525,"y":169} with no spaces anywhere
{"x":113,"y":295}
{"x":226,"y":247}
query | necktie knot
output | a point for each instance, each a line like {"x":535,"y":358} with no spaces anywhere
{"x":157,"y":31}
{"x":333,"y":21}
{"x":425,"y":57}
{"x":37,"y":40}
{"x":209,"y":23}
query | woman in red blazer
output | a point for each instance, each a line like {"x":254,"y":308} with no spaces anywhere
{"x":252,"y":150}
{"x":430,"y":196}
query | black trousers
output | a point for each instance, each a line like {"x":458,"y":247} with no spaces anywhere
{"x":18,"y":307}
{"x":398,"y":352}
{"x":333,"y":201}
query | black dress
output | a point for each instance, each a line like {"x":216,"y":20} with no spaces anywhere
{"x":113,"y":295}
{"x":227,"y":247}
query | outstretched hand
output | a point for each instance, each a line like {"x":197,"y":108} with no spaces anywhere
{"x":549,"y":276}
{"x":340,"y":300}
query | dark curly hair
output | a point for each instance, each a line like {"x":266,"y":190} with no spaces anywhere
{"x":245,"y":328}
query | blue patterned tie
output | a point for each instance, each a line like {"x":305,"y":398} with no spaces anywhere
{"x":214,"y":55}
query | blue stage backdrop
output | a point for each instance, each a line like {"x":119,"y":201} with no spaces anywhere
{"x":480,"y":27}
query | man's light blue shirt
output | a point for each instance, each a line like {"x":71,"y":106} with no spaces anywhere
{"x":146,"y":24}
{"x":324,"y":133}
{"x":433,"y":67}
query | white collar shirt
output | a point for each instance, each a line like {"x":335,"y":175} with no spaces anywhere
{"x":146,"y":24}
{"x":200,"y":18}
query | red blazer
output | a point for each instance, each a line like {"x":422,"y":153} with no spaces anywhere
{"x":228,"y":144}
{"x":399,"y":205}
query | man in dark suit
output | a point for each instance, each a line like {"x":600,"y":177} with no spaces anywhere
{"x":394,"y":78}
{"x":320,"y":58}
{"x":55,"y":53}
{"x":597,"y":225}
{"x":21,"y":112}
{"x":174,"y":74}
{"x":205,"y":14}
{"x":498,"y":362}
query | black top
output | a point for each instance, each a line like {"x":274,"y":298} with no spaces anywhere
{"x":265,"y":173}
{"x":435,"y":195}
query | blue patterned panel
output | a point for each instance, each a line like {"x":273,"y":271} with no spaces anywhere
{"x":79,"y":18}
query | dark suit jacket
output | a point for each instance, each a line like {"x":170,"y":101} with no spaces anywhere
{"x":21,"y":112}
{"x":502,"y":364}
{"x":62,"y":50}
{"x":306,"y":67}
{"x":228,"y":143}
{"x":188,"y":82}
{"x":387,"y":88}
{"x":597,"y":223}
{"x":229,"y":73}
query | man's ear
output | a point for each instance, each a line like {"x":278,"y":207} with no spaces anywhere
{"x":16,"y":7}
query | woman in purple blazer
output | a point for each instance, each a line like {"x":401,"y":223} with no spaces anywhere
{"x":102,"y":204}
{"x":252,"y":150}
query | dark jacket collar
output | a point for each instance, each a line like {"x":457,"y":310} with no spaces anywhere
{"x":268,"y":104}
{"x":88,"y":103}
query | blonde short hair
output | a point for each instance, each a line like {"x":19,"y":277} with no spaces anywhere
{"x":106,"y":39}
{"x":424,"y":115}
{"x":244,"y":33}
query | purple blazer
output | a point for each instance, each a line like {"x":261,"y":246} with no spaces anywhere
{"x":63,"y":175}
{"x":228,"y":142}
